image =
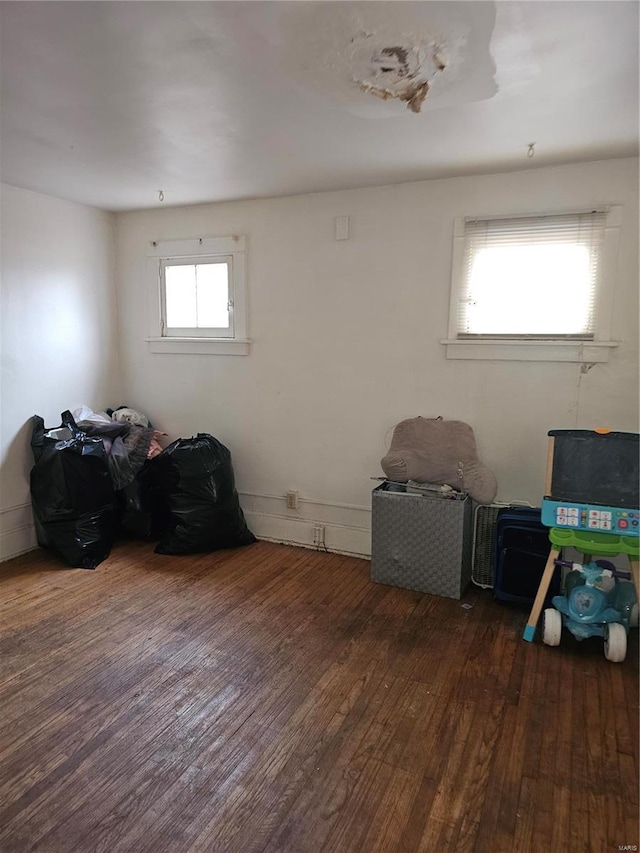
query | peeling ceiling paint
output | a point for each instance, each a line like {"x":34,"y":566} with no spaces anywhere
{"x":401,"y":68}
{"x":354,"y":50}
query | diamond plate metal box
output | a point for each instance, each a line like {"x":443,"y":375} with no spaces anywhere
{"x":421,"y":542}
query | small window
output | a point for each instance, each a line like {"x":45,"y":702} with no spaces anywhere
{"x":198,"y":296}
{"x":528,"y":280}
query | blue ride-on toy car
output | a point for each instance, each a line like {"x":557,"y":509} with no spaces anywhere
{"x":599,"y":601}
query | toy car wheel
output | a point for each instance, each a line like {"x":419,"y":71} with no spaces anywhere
{"x":633,"y":619}
{"x":551,"y":627}
{"x":615,"y":642}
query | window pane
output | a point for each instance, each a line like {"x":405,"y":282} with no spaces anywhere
{"x":541,"y":289}
{"x":212,"y":296}
{"x":180,"y":291}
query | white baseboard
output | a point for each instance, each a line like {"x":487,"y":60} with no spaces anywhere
{"x":347,"y":528}
{"x":17,"y":533}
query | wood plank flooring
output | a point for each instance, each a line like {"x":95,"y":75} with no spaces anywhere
{"x":274,"y":700}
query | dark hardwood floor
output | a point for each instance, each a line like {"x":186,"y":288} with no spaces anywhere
{"x":274,"y":699}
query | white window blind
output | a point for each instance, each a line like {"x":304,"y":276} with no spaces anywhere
{"x":531,"y":277}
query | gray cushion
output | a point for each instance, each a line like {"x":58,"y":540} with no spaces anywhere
{"x":432,"y":450}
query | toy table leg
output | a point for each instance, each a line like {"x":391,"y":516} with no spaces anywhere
{"x":635,"y":571}
{"x":536,"y":610}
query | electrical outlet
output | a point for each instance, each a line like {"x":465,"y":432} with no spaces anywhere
{"x":292,"y":500}
{"x":318,"y":535}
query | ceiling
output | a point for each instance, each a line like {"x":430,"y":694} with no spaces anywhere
{"x":107,"y":103}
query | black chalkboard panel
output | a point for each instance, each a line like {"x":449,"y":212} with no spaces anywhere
{"x":596,"y":468}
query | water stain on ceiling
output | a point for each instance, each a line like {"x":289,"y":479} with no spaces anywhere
{"x":431,"y":55}
{"x":402,"y":71}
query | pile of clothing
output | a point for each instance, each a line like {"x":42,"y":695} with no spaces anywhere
{"x":101,"y":474}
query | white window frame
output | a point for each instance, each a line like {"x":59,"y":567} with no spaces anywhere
{"x":189,"y":331}
{"x":232,"y":341}
{"x":590,"y":350}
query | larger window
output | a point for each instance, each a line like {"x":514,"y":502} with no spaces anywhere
{"x":198,"y":296}
{"x":531,"y":280}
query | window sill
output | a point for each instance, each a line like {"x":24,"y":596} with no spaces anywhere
{"x":199,"y":346}
{"x":591,"y":352}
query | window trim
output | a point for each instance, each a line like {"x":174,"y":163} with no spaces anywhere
{"x":199,"y":248}
{"x":590,"y":349}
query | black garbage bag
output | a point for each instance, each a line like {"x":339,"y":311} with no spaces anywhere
{"x":193,"y":482}
{"x":140,"y":512}
{"x":71,"y":493}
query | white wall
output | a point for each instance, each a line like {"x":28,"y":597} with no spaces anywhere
{"x":346,"y":342}
{"x":59,"y":342}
